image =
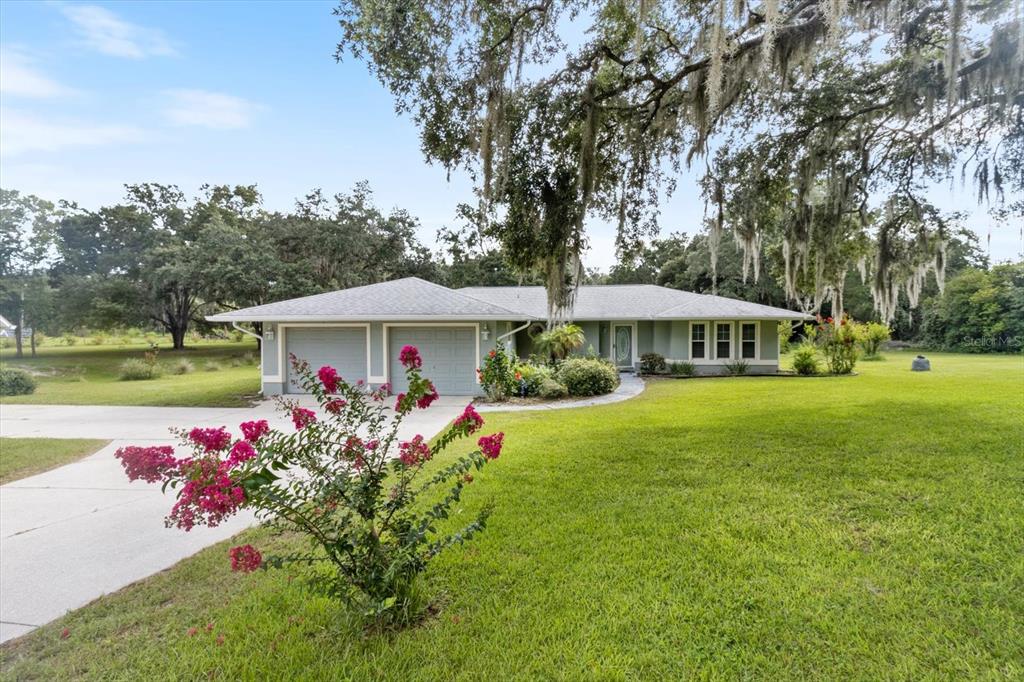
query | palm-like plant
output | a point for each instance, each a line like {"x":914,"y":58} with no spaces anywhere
{"x":555,"y":344}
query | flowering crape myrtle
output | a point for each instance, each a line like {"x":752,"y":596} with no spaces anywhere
{"x":341,"y":476}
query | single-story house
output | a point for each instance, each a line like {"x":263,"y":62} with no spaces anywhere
{"x":6,"y":327}
{"x":360,"y":330}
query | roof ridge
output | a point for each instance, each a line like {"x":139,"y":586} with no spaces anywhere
{"x":458,"y":292}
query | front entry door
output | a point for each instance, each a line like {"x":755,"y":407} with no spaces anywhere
{"x":623,"y":334}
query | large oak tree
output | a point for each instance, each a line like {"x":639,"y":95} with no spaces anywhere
{"x":567,"y":110}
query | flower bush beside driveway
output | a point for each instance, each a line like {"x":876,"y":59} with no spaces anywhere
{"x":345,"y":481}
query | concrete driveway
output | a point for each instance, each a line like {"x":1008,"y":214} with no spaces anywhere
{"x":75,"y":533}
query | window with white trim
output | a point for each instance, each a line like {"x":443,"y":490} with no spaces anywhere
{"x":697,"y":331}
{"x":748,"y":341}
{"x":723,"y":340}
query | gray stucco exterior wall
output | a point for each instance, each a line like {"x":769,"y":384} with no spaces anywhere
{"x":769,"y":340}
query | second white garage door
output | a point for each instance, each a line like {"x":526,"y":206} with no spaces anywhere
{"x":449,"y":357}
{"x":343,"y":348}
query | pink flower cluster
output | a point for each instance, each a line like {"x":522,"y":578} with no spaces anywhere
{"x":245,"y":558}
{"x":335,"y":406}
{"x":209,"y":496}
{"x":211,"y":440}
{"x":410,"y":358}
{"x":491,"y":445}
{"x":469,"y":421}
{"x":415,"y":451}
{"x":353,"y":450}
{"x":427,"y":398}
{"x":301,"y":417}
{"x":150,"y":464}
{"x":253,"y":431}
{"x":329,"y":378}
{"x":242,"y":451}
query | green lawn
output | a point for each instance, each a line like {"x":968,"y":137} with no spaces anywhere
{"x":21,"y":457}
{"x":866,"y":527}
{"x":88,"y":375}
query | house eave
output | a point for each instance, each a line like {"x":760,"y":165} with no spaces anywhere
{"x":227,"y":317}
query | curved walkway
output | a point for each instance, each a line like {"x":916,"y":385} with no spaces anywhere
{"x":630,"y":386}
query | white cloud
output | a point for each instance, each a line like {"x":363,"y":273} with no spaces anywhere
{"x":20,"y":78}
{"x":21,"y":132}
{"x":105,"y":32}
{"x":209,"y":109}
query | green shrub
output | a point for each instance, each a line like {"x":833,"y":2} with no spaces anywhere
{"x":737,"y":367}
{"x":652,"y":363}
{"x":182,"y":366}
{"x":6,"y":342}
{"x":552,"y":390}
{"x":16,"y":382}
{"x":805,"y":359}
{"x":785,"y":334}
{"x":531,"y":377}
{"x":70,"y":339}
{"x":249,"y":358}
{"x":583,"y":377}
{"x":237,"y":336}
{"x":99,"y":339}
{"x":682,"y":369}
{"x":871,"y":336}
{"x":135,"y":369}
{"x":211,"y":366}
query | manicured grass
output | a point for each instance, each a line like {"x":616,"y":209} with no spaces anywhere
{"x":88,"y":375}
{"x":867,"y":527}
{"x":21,"y":457}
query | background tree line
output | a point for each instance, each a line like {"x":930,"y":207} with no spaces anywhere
{"x":161,"y":261}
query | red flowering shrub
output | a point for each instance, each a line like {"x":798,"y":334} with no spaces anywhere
{"x":343,"y":478}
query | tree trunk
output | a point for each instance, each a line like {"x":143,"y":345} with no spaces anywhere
{"x":21,"y":325}
{"x":178,"y":335}
{"x":32,"y":341}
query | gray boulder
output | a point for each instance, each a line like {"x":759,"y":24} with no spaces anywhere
{"x":920,"y":364}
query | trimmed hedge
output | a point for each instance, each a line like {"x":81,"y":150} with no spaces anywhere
{"x":583,"y":376}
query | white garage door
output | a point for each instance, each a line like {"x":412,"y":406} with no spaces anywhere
{"x":343,"y":348}
{"x":449,"y":357}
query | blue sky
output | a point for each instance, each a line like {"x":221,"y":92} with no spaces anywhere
{"x":93,"y":96}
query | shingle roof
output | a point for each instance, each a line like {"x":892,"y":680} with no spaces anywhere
{"x":410,"y":298}
{"x":631,"y":301}
{"x":414,"y":299}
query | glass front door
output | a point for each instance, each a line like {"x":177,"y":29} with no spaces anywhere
{"x":623,"y":345}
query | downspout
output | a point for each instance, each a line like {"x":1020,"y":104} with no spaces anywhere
{"x":246,"y":331}
{"x":508,"y":334}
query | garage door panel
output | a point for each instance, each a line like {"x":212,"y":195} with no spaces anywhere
{"x":343,"y":348}
{"x":449,"y":357}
